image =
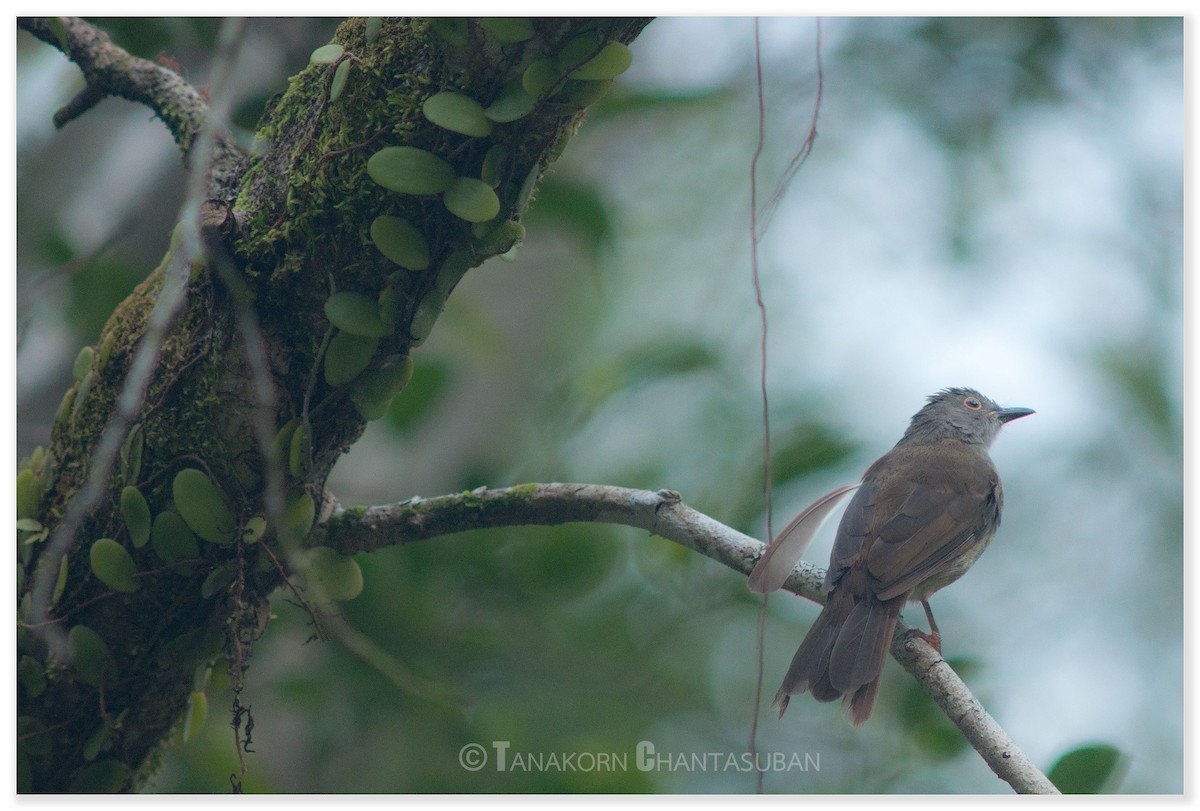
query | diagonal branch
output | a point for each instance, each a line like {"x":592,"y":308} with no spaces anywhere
{"x":663,"y":513}
{"x":111,"y":71}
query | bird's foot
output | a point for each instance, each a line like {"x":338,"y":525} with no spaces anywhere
{"x":934,"y":640}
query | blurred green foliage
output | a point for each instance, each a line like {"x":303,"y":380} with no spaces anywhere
{"x":1087,"y":770}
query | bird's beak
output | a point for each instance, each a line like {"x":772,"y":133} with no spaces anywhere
{"x":1010,"y":414}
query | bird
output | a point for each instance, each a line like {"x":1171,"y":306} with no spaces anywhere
{"x":922,"y":514}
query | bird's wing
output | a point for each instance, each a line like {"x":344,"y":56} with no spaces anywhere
{"x":939,"y":517}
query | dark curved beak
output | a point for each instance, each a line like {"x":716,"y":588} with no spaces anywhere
{"x":1010,"y":414}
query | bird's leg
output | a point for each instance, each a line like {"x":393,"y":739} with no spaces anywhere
{"x":934,"y":637}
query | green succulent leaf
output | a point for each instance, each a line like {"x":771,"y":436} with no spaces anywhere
{"x":613,"y":60}
{"x":508,"y":30}
{"x":327,"y":54}
{"x":371,"y":393}
{"x":83,"y":363}
{"x":356,"y":314}
{"x":298,"y":516}
{"x":113,"y":564}
{"x":472,"y":200}
{"x":346,"y":357}
{"x":333,"y":575}
{"x":202,"y":506}
{"x":511,"y":103}
{"x":339,"y":80}
{"x":409,"y":170}
{"x":90,"y":655}
{"x":457,"y":113}
{"x":401,"y":242}
{"x":136,"y":512}
{"x":374,"y":26}
{"x":172,"y":539}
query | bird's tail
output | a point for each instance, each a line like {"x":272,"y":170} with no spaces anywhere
{"x":842,"y":656}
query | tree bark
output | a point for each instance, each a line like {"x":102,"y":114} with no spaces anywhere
{"x":250,"y":346}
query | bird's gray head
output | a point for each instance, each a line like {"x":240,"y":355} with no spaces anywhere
{"x":962,"y":414}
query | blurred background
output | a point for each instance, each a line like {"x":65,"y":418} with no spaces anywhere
{"x":995,"y":203}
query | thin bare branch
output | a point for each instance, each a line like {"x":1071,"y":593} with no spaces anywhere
{"x":663,"y":513}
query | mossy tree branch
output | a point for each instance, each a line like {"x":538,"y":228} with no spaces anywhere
{"x":300,"y":215}
{"x":662,"y":513}
{"x":111,"y":71}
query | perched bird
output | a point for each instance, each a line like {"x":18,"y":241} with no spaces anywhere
{"x":922,"y":514}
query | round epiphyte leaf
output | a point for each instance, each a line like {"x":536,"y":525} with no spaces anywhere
{"x":500,"y":238}
{"x":451,"y":272}
{"x":613,"y":60}
{"x":31,"y":676}
{"x":202,"y":507}
{"x":106,"y":776}
{"x":131,"y":454}
{"x":495,"y":165}
{"x":511,"y":103}
{"x":374,"y":26}
{"x":339,"y":80}
{"x":540,"y":77}
{"x":105,"y":351}
{"x":96,"y":742}
{"x":508,"y":30}
{"x":90,"y":655}
{"x":172,"y":539}
{"x":345,"y":358}
{"x":371,"y":393}
{"x":400,"y":242}
{"x":453,"y":30}
{"x":579,"y":50}
{"x":29,"y":494}
{"x":218,"y":579}
{"x":457,"y":113}
{"x":85,"y":388}
{"x":356,"y":314}
{"x":298,"y":515}
{"x":585,"y":94}
{"x":32,"y":736}
{"x":64,"y":407}
{"x":327,"y":54}
{"x":256,"y":527}
{"x":472,"y":200}
{"x":136,"y":512}
{"x":195,"y":715}
{"x":409,"y":170}
{"x":114,"y":566}
{"x":333,"y":575}
{"x":427,"y":314}
{"x":300,"y":452}
{"x":83,"y":363}
{"x":282,"y":444}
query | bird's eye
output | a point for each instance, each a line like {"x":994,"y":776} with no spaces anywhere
{"x":972,"y":404}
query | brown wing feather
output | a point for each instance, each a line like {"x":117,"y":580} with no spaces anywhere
{"x":938,"y":515}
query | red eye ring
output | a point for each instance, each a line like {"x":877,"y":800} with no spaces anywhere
{"x":972,"y":404}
